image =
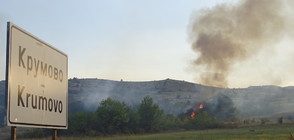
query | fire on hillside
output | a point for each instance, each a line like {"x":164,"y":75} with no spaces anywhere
{"x":196,"y":111}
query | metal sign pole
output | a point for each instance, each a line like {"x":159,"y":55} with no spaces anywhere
{"x":54,"y":134}
{"x":13,"y":133}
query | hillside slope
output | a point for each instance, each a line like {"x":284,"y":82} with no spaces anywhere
{"x":175,"y":96}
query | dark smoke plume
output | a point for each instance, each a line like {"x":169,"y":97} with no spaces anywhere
{"x":226,"y":34}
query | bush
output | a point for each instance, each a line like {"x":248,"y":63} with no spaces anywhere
{"x":114,"y":117}
{"x":150,"y":115}
{"x":79,"y":123}
{"x":201,"y":121}
{"x":111,"y":117}
{"x":280,"y":120}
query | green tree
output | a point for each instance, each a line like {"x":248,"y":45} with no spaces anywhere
{"x":112,"y":117}
{"x":150,"y":115}
{"x":170,"y":122}
{"x":201,"y":121}
{"x":264,"y":121}
{"x":280,"y":120}
{"x":222,"y":108}
{"x":133,"y":124}
{"x":79,"y":123}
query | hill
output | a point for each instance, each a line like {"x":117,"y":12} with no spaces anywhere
{"x":176,"y":96}
{"x":172,"y":95}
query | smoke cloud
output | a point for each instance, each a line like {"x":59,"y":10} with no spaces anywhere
{"x":227,"y":34}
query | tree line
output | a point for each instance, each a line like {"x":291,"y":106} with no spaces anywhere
{"x":115,"y":117}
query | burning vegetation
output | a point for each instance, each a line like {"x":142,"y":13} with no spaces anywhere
{"x":196,"y":111}
{"x":220,"y":107}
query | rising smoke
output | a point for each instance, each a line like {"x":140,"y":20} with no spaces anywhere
{"x":227,"y":34}
{"x":221,"y":107}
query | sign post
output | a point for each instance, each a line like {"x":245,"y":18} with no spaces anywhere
{"x":37,"y":85}
{"x":54,"y":134}
{"x":13,"y":133}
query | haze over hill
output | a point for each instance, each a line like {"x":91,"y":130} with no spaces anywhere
{"x":176,"y":97}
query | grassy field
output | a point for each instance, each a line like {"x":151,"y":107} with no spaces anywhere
{"x":269,"y":132}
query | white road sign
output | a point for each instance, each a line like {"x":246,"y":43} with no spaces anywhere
{"x":37,"y":86}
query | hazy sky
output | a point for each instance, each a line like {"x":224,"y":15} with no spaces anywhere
{"x":133,"y":40}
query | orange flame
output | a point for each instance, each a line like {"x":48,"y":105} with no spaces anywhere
{"x":200,"y":106}
{"x":193,"y":115}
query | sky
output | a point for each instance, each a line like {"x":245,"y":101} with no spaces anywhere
{"x":133,"y":40}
